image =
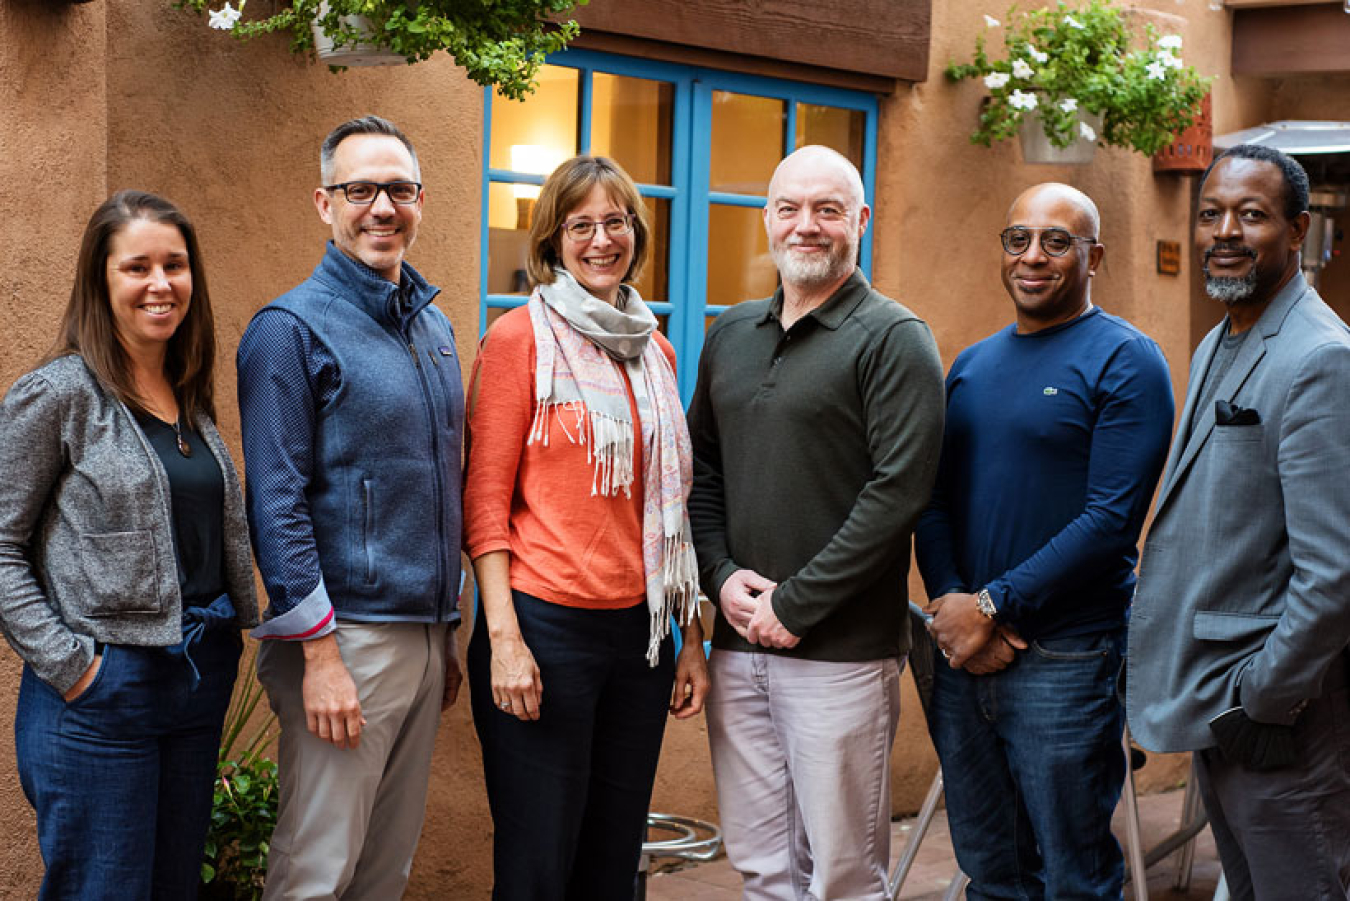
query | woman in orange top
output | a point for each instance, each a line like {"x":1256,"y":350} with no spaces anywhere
{"x":578,"y":472}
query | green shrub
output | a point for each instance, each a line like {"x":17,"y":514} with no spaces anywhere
{"x":244,"y":812}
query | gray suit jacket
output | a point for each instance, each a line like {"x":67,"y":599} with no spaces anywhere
{"x":1244,"y":586}
{"x":86,"y":531}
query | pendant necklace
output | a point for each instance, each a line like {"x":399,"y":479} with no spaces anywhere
{"x":183,"y":447}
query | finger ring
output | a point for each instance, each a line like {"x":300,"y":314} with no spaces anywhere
{"x":506,"y":705}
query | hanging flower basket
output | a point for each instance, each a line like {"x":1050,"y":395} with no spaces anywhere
{"x":1038,"y":148}
{"x":364,"y":53}
{"x":498,"y":43}
{"x":1062,"y":61}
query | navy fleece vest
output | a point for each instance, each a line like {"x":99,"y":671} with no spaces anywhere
{"x":385,"y":495}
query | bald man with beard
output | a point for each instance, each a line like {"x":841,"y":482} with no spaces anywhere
{"x":1056,"y":431}
{"x":815,"y":425}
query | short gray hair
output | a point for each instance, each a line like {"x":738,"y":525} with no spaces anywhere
{"x":366,"y":125}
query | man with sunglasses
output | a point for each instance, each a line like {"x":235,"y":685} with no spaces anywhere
{"x":1055,"y":435}
{"x":352,"y":408}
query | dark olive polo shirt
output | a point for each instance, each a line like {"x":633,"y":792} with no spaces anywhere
{"x":815,"y":450}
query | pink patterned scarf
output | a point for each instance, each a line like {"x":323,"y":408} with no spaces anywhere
{"x":580,"y":342}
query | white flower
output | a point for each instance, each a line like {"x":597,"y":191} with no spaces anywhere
{"x":1170,"y":42}
{"x":1086,"y":131}
{"x":1068,"y":105}
{"x":225,"y":17}
{"x":1022,"y":70}
{"x":991,"y":22}
{"x":1157,"y":70}
{"x":1022,"y":100}
{"x":1167,"y":59}
{"x":1039,"y":56}
{"x":995,"y":80}
{"x":1072,"y":22}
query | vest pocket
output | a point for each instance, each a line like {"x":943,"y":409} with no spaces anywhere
{"x":368,"y":527}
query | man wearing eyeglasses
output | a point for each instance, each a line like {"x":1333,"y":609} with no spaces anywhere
{"x":1056,"y":431}
{"x":352,"y":409}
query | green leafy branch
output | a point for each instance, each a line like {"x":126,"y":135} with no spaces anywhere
{"x":498,"y":43}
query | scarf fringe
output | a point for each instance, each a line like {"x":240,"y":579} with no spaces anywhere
{"x":608,"y":442}
{"x":678,"y":583}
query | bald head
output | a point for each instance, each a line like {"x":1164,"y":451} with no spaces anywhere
{"x":815,"y":217}
{"x":1087,"y":221}
{"x":815,"y":162}
{"x":1051,"y":285}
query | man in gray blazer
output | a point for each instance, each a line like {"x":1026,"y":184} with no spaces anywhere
{"x":1238,"y":635}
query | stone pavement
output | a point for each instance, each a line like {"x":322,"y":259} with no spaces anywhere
{"x":933,"y":869}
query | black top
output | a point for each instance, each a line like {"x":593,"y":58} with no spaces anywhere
{"x":197,"y":501}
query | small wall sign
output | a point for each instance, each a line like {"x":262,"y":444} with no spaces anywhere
{"x":1169,"y":257}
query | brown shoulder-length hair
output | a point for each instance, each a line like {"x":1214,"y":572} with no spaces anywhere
{"x":563,"y":192}
{"x":87,"y":326}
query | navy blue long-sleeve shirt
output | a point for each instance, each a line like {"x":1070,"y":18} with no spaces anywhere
{"x":285,"y":375}
{"x":1054,"y":443}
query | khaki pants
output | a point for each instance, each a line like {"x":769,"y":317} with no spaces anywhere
{"x":333,"y":799}
{"x":801,"y":753}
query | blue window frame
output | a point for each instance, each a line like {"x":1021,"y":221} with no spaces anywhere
{"x":688,"y":195}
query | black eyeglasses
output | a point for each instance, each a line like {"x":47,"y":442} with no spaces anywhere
{"x":1054,"y":241}
{"x":362,"y":193}
{"x":584,"y":229}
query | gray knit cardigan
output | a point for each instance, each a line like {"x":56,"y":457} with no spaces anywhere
{"x":86,"y":533}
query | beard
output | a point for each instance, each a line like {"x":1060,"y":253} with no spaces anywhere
{"x":1226,"y":288}
{"x":1231,"y":290}
{"x":819,"y":269}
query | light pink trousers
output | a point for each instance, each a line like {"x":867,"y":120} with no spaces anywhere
{"x":801,"y":754}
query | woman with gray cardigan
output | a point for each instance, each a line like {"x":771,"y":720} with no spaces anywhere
{"x":125,"y":574}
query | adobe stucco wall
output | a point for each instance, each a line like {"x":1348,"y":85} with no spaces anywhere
{"x":121,"y":93}
{"x":52,"y":154}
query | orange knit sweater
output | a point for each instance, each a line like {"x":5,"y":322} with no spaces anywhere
{"x":567,"y":546}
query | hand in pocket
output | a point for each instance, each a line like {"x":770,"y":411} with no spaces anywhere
{"x":83,"y":683}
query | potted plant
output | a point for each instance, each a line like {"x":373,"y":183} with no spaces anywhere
{"x":501,"y":43}
{"x":1071,"y":74}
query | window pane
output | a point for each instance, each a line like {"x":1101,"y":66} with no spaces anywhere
{"x":508,"y":238}
{"x":655,"y":281}
{"x":747,"y":142}
{"x":631,"y":122}
{"x":539,"y":132}
{"x":838,"y":129}
{"x":739,"y":265}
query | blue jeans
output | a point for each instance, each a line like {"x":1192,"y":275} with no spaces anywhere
{"x":569,"y":792}
{"x":122,"y":777}
{"x":1032,"y":766}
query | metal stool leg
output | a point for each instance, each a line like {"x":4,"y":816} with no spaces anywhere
{"x":926,"y":814}
{"x":1190,"y":807}
{"x":958,"y":885}
{"x":1134,"y":845}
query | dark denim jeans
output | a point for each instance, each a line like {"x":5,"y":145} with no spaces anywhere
{"x":122,"y":777}
{"x":569,"y":791}
{"x":1033,"y":767}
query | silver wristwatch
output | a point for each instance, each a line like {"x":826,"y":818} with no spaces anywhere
{"x":985,"y":604}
